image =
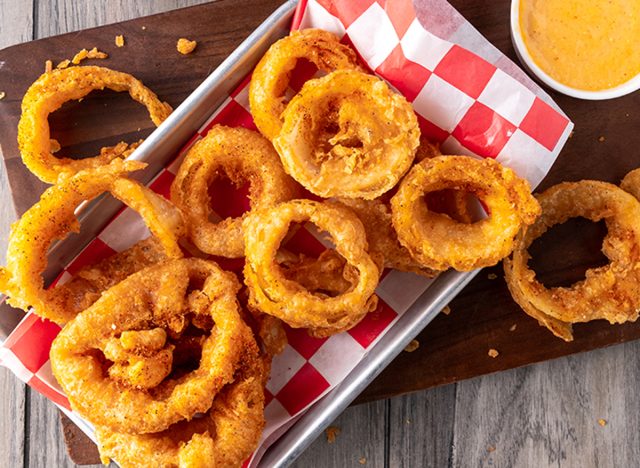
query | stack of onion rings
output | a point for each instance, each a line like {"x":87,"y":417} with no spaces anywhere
{"x":611,"y":292}
{"x":55,"y":88}
{"x":270,"y":78}
{"x":242,"y":155}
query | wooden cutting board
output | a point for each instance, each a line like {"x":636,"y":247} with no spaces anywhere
{"x":453,"y":347}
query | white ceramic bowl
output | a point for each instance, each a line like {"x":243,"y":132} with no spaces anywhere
{"x":524,"y":56}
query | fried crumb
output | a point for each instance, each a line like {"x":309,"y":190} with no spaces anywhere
{"x":491,"y":448}
{"x":602,"y":422}
{"x":601,"y":139}
{"x":119,"y":40}
{"x":492,"y":276}
{"x":362,"y":460}
{"x":332,"y":433}
{"x":185,"y":46}
{"x":411,"y":347}
{"x":446,"y":310}
{"x":55,"y":146}
{"x":144,"y":28}
{"x":571,"y":134}
{"x":48,"y":66}
{"x":408,"y":421}
{"x":493,"y":353}
{"x":513,"y":327}
{"x":88,"y":54}
{"x":63,"y":64}
{"x":2,"y":95}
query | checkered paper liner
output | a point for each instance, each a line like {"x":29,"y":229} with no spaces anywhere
{"x":473,"y":106}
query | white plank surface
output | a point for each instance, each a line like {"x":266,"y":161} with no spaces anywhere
{"x":544,"y":415}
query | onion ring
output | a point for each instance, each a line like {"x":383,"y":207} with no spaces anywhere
{"x":348,"y":135}
{"x":610,"y":292}
{"x":438,"y":242}
{"x":243,"y":155}
{"x":53,"y":217}
{"x":224,"y":436}
{"x":270,"y":79}
{"x":272,"y":293}
{"x":163,"y":296}
{"x":53,"y":89}
{"x":631,"y":183}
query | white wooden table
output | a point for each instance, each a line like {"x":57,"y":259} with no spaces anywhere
{"x":543,"y":415}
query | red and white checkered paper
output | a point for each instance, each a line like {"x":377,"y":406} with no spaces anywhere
{"x":472,"y":105}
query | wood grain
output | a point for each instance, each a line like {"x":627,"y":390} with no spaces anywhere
{"x":421,"y":428}
{"x":362,"y":436}
{"x":547,"y":415}
{"x":15,"y":26}
{"x":62,"y":16}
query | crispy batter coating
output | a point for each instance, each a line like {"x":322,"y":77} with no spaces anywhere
{"x":223,"y":437}
{"x":49,"y":93}
{"x":270,"y":79}
{"x":438,"y":242}
{"x":85,"y":54}
{"x":53,"y":218}
{"x":185,"y":46}
{"x":348,"y":135}
{"x":123,"y":400}
{"x":382,"y":238}
{"x":242,"y":155}
{"x":272,"y":293}
{"x":610,"y":292}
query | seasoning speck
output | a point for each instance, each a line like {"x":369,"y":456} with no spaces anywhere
{"x":491,"y":448}
{"x":513,"y":327}
{"x":601,"y":139}
{"x":2,"y":95}
{"x":446,"y":310}
{"x":602,"y":422}
{"x":411,"y":347}
{"x":492,"y":276}
{"x":362,"y":461}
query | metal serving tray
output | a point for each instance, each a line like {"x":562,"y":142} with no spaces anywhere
{"x":160,"y":148}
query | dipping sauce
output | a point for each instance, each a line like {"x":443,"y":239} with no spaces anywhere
{"x":585,"y":44}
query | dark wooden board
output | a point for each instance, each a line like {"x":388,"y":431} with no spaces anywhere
{"x":453,"y":347}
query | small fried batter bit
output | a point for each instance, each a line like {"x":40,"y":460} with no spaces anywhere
{"x":185,"y":46}
{"x":120,"y":40}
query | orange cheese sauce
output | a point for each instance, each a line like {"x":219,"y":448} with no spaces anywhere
{"x":585,"y":44}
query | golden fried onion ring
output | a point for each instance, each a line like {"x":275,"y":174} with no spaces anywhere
{"x":435,"y":240}
{"x":49,"y":92}
{"x":610,"y":292}
{"x":224,"y":436}
{"x":271,"y":76}
{"x":348,"y":135}
{"x":53,"y":218}
{"x":242,"y":155}
{"x":162,"y":296}
{"x":272,"y":293}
